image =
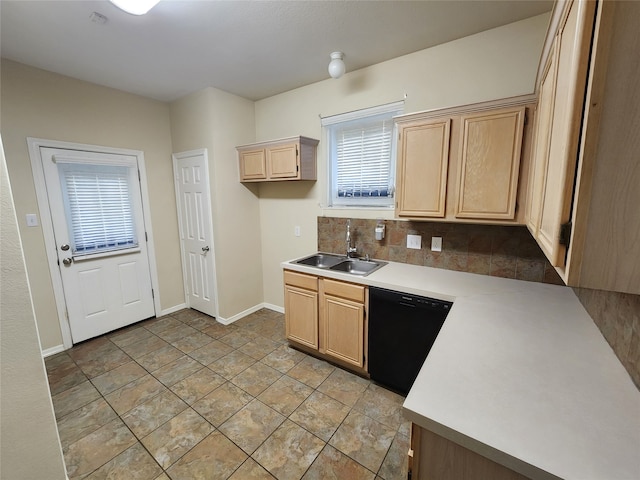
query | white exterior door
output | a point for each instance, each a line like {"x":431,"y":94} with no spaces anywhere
{"x":98,"y":224}
{"x":196,"y":232}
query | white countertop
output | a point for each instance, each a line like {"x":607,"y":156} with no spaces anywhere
{"x":520,"y":374}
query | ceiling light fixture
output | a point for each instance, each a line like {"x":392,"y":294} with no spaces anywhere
{"x":336,"y":66}
{"x":135,"y":7}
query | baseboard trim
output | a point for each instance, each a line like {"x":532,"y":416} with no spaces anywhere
{"x":174,"y":309}
{"x":52,"y":351}
{"x":249,"y":311}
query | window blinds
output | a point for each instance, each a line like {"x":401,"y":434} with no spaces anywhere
{"x":98,"y":205}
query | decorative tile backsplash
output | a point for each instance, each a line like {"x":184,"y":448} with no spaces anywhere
{"x":617,"y":315}
{"x":502,"y":251}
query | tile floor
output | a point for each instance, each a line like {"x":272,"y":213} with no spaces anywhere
{"x":184,"y":397}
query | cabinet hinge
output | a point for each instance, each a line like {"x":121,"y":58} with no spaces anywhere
{"x":297,"y":168}
{"x":565,"y":233}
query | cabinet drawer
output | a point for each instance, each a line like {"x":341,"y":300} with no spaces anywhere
{"x":301,"y":280}
{"x":344,"y":290}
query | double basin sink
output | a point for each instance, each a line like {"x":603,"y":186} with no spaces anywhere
{"x":342,"y":263}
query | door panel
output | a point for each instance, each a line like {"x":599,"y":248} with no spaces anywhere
{"x":196,"y":234}
{"x":106,"y":286}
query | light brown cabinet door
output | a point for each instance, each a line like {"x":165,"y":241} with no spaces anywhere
{"x":344,"y":329}
{"x":489,"y":164}
{"x":253,"y":165}
{"x":570,"y":84}
{"x":301,"y":315}
{"x":540,"y":154}
{"x":282,"y":161}
{"x":423,"y":162}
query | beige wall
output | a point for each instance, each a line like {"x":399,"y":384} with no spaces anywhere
{"x":219,"y":121}
{"x":36,"y":103}
{"x":30,"y":448}
{"x":494,"y":64}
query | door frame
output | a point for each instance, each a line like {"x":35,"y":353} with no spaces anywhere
{"x":214,"y":281}
{"x":34,"y":145}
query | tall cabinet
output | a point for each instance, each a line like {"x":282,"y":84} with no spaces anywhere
{"x":584,"y":190}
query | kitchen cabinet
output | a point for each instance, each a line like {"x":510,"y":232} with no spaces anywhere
{"x":585,"y":175}
{"x":432,"y":457}
{"x":463,"y":164}
{"x":327,"y":318}
{"x":301,"y":308}
{"x":342,"y":316}
{"x":285,"y":159}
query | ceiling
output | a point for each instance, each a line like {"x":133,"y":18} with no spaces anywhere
{"x":253,"y":49}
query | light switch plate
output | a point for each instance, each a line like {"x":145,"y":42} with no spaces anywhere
{"x":436,"y":244}
{"x":32,"y":220}
{"x":414,"y":241}
{"x":296,"y":231}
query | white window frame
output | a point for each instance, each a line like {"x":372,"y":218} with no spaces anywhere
{"x":330,"y":125}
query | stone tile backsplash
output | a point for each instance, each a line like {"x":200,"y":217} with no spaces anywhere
{"x":617,"y":315}
{"x":501,"y":251}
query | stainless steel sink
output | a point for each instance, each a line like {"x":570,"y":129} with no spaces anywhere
{"x":358,"y":267}
{"x":340,"y":263}
{"x":322,"y":260}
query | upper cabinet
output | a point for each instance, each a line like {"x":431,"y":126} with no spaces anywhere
{"x":464,"y":164}
{"x":583,"y":188}
{"x":285,"y":159}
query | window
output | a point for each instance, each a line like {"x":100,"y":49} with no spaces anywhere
{"x":361,"y":156}
{"x":97,"y":199}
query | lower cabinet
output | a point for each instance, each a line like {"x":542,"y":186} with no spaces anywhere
{"x":432,"y":457}
{"x":327,"y":317}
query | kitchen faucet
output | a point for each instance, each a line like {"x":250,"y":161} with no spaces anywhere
{"x":351,"y":251}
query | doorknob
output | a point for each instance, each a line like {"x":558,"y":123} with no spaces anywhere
{"x":64,"y":247}
{"x":205,"y":249}
{"x":67,"y":261}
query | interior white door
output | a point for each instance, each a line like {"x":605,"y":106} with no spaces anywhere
{"x":98,"y":225}
{"x":196,"y":232}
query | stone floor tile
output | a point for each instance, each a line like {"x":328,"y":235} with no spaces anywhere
{"x":104,"y":358}
{"x":363,"y":439}
{"x":176,"y":437}
{"x":74,"y":398}
{"x":320,"y":414}
{"x":285,"y":395}
{"x":97,"y":448}
{"x":210,"y":352}
{"x":186,"y":314}
{"x":64,"y":377}
{"x":134,"y":393}
{"x":251,"y":470}
{"x":218,"y":330}
{"x":332,"y":463}
{"x":311,"y":371}
{"x":251,"y":426}
{"x":144,"y":347}
{"x":382,"y":405}
{"x":283,"y":358}
{"x":222,"y":403}
{"x":135,"y":463}
{"x":214,"y":458}
{"x":176,"y":370}
{"x":256,"y":378}
{"x":344,"y":386}
{"x":232,"y":364}
{"x":289,"y":451}
{"x":237,"y":338}
{"x":192,"y":342}
{"x":84,"y":421}
{"x":159,"y":358}
{"x":177,"y":332}
{"x":259,"y":347}
{"x":200,"y":322}
{"x":395,"y":464}
{"x":197,"y":385}
{"x":147,"y":416}
{"x":118,"y":377}
{"x":163,"y":324}
{"x":129,"y":336}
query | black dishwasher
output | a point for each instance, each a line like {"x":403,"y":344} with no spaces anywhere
{"x":402,"y":329}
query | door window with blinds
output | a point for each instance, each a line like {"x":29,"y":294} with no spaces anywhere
{"x":361,"y":149}
{"x":99,"y":206}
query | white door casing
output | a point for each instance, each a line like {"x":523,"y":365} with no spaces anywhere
{"x":100,"y":292}
{"x":196,"y":230}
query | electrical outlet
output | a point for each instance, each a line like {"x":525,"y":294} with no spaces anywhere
{"x":436,"y":244}
{"x":32,"y":220}
{"x":414,"y":241}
